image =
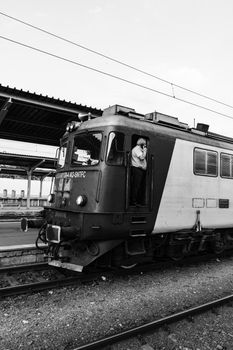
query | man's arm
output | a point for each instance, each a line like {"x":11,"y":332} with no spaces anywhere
{"x":142,"y":153}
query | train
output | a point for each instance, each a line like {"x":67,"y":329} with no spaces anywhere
{"x":187,"y":206}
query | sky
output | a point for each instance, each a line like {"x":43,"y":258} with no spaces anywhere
{"x":185,"y":42}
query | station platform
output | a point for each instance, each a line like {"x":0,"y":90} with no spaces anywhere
{"x":11,"y":235}
{"x":10,"y":232}
{"x":18,"y":247}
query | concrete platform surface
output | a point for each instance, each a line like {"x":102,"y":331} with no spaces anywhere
{"x":11,"y":235}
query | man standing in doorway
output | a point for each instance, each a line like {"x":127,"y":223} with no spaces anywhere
{"x":138,"y":172}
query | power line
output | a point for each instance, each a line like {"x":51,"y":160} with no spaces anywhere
{"x":113,"y":76}
{"x":116,"y":61}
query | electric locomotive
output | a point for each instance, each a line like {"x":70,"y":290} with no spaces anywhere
{"x":187,"y":197}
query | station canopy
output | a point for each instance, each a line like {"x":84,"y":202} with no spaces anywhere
{"x":30,"y":117}
{"x":17,"y":165}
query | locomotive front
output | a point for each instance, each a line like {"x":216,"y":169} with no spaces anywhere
{"x":91,"y":216}
{"x":83,"y":221}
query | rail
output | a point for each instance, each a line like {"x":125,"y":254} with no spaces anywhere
{"x":23,"y":267}
{"x":37,"y":286}
{"x":99,"y":344}
{"x":71,"y":278}
{"x":59,"y":278}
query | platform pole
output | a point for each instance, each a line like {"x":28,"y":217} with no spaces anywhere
{"x":41,"y":187}
{"x":29,"y":174}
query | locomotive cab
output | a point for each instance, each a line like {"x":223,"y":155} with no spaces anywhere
{"x":90,"y":212}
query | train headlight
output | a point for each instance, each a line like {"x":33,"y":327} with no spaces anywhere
{"x":81,"y":200}
{"x":51,"y":198}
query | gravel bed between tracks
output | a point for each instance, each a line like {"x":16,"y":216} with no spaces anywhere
{"x":67,"y":317}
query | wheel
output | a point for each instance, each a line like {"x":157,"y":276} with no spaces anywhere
{"x":128,"y":266}
{"x":219,"y":243}
{"x":177,"y":257}
{"x":176,"y":253}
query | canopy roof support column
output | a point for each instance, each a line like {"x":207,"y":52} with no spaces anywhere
{"x":29,"y":174}
{"x":41,"y":186}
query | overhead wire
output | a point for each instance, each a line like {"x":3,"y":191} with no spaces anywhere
{"x":114,"y":76}
{"x":117,"y":61}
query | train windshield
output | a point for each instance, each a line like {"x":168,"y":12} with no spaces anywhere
{"x":86,"y":149}
{"x":62,"y":155}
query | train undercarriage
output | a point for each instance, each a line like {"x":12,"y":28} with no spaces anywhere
{"x":77,"y":255}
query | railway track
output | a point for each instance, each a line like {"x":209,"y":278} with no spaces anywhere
{"x":15,"y":279}
{"x":23,"y":267}
{"x":12,"y":284}
{"x":37,"y":286}
{"x":59,"y":277}
{"x":148,"y":327}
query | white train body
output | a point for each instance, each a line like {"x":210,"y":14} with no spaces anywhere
{"x":185,"y":193}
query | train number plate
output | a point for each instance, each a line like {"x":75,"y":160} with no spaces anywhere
{"x":53,"y":233}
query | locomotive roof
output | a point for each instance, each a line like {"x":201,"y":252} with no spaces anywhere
{"x":157,"y":123}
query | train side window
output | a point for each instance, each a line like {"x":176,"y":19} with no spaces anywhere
{"x":205,"y":162}
{"x":115,"y":149}
{"x":226,"y":163}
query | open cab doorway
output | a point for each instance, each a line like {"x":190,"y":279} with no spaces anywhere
{"x":139,"y":174}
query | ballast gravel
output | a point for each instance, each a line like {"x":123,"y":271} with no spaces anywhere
{"x":69,"y":317}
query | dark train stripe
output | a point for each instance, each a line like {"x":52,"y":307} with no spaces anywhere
{"x":164,"y":146}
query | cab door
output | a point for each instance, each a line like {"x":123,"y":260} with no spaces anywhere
{"x":140,"y":218}
{"x":147,"y":185}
